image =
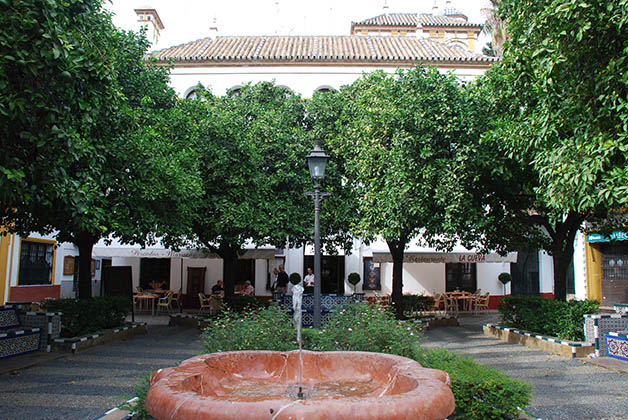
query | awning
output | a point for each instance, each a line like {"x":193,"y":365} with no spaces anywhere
{"x":447,"y":257}
{"x":108,"y":252}
{"x":617,"y":235}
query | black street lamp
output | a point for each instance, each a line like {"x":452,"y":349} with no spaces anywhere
{"x":317,"y":160}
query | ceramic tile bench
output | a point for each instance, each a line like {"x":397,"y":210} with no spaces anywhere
{"x":617,"y":344}
{"x":596,"y":326}
{"x":15,"y":339}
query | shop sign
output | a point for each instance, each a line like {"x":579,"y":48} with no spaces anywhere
{"x":617,"y":235}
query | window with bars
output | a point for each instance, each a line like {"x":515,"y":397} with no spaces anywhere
{"x":35,"y":263}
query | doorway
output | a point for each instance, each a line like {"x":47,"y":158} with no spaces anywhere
{"x":525,"y":274}
{"x":155,"y":270}
{"x":332,"y":273}
{"x":461,"y":277}
{"x":196,"y":285}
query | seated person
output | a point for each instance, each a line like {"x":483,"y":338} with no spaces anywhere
{"x":248,"y":290}
{"x":217,"y":288}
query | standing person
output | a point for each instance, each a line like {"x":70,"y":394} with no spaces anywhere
{"x":308,"y":281}
{"x":282,"y":281}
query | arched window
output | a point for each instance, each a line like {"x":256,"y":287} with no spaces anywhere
{"x":324,"y":89}
{"x":234,"y":91}
{"x":190,"y":93}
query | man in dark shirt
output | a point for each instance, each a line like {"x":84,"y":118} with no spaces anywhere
{"x":217,"y":288}
{"x":282,"y":281}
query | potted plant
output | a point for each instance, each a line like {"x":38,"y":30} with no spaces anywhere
{"x":354,"y":279}
{"x":505,"y":278}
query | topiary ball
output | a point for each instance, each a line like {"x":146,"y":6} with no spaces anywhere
{"x":295,"y":278}
{"x":354,"y":278}
{"x":504,"y":277}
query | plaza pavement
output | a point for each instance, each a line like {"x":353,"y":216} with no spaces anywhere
{"x":563,"y":388}
{"x":86,"y":385}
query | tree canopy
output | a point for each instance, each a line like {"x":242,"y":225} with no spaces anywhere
{"x":118,"y":164}
{"x":252,"y":147}
{"x":397,"y":136}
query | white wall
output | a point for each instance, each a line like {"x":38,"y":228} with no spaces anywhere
{"x":546,"y":273}
{"x":487,"y":278}
{"x":302,"y":79}
{"x":579,"y":265}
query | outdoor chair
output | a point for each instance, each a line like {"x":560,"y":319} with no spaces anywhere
{"x":177,"y":299}
{"x":205,"y":302}
{"x":438,"y":299}
{"x":165,"y":302}
{"x":481,"y":303}
{"x":451,"y":305}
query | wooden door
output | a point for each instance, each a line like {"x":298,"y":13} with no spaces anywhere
{"x":196,"y":285}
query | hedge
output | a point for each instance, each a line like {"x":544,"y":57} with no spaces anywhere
{"x":555,"y":318}
{"x":84,"y":316}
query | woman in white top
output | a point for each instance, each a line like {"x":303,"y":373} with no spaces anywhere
{"x":308,"y":281}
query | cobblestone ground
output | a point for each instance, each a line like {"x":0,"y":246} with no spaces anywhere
{"x":563,"y":388}
{"x":85,"y":385}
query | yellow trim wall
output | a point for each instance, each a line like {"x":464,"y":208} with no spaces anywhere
{"x":593,"y":256}
{"x":54,"y":256}
{"x":5,"y":239}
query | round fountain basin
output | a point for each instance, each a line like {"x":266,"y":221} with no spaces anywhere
{"x":265,"y":385}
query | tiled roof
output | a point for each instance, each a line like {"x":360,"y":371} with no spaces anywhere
{"x":317,"y":49}
{"x":410,"y":19}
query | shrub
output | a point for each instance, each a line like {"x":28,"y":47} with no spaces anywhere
{"x":238,"y":303}
{"x":363,"y":327}
{"x":261,"y":329}
{"x":84,"y":316}
{"x":546,"y":316}
{"x":481,"y":392}
{"x":412,"y":303}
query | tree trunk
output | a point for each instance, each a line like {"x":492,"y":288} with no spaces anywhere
{"x":85,"y":244}
{"x":397,"y":249}
{"x":561,"y":264}
{"x":230,"y":268}
{"x":562,"y":251}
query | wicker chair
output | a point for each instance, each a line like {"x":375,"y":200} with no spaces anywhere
{"x":205,"y":302}
{"x":481,"y":303}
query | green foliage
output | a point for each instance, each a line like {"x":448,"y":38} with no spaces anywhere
{"x":481,"y":392}
{"x":295,"y":278}
{"x":547,"y":316}
{"x":93,"y":144}
{"x":354,"y":278}
{"x":365,"y":327}
{"x":396,"y":137}
{"x":262,"y":329}
{"x":139,"y":408}
{"x":505,"y":278}
{"x":239,"y":303}
{"x":252,"y":149}
{"x":83,"y":316}
{"x":569,"y":57}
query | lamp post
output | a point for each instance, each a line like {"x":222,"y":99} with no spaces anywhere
{"x":316,"y":161}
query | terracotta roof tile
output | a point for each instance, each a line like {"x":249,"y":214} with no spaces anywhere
{"x":313,"y":49}
{"x":410,"y":20}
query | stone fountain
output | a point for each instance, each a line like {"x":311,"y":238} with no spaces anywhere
{"x":299,"y":385}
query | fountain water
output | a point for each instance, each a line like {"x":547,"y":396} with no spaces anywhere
{"x":297,"y":300}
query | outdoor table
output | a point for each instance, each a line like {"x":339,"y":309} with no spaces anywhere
{"x":145,"y":297}
{"x":467,"y":301}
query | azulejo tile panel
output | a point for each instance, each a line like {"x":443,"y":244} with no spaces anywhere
{"x":19,"y":344}
{"x":617,"y":347}
{"x":8,"y":318}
